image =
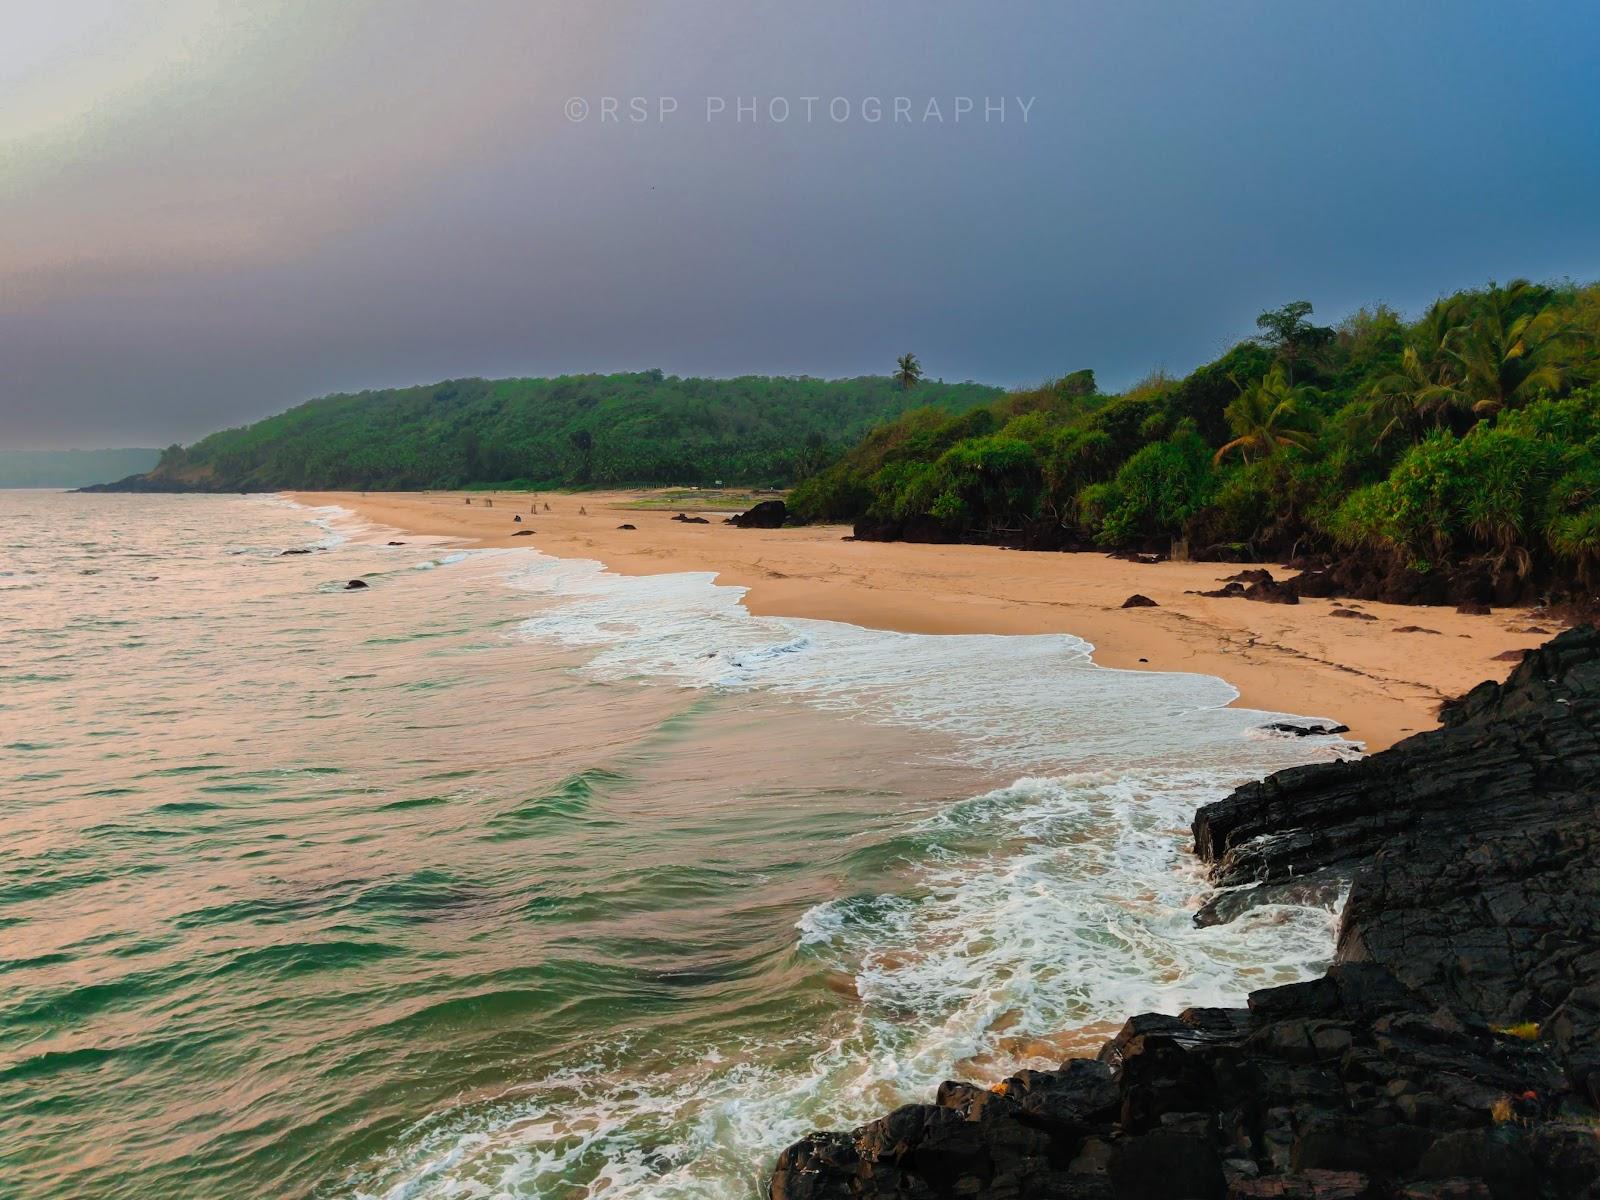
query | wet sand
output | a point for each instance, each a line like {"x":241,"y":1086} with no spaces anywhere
{"x":1383,"y":683}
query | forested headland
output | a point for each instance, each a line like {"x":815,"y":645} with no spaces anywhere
{"x":574,"y":431}
{"x":1454,"y":457}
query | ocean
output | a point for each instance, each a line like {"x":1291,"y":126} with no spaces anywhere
{"x":510,"y":877}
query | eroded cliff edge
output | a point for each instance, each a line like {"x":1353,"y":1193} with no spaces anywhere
{"x":1450,"y":1053}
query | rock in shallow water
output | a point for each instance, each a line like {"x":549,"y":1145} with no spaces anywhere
{"x":1452,"y":1051}
{"x":1313,"y":730}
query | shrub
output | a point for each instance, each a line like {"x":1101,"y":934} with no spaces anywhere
{"x":1156,"y":491}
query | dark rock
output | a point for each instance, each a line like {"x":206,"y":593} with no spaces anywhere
{"x":625,"y":526}
{"x":1261,"y":587}
{"x":396,"y":543}
{"x":1254,"y":575}
{"x":1306,"y":730}
{"x":531,"y":532}
{"x":287,"y":553}
{"x":1163,"y":1165}
{"x":1452,"y":1052}
{"x":1509,"y":656}
{"x":1473,"y":608}
{"x":1351,"y":614}
{"x":1139,"y":601}
{"x":355,"y":585}
{"x":1318,"y":584}
{"x":1416,"y":629}
{"x":1270,"y":591}
{"x":924,"y":529}
{"x":153,"y":483}
{"x":769,"y":514}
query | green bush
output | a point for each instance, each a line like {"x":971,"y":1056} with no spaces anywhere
{"x":1448,"y":495}
{"x":1156,"y":492}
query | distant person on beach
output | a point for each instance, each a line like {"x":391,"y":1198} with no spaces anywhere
{"x":582,"y":512}
{"x":469,"y":499}
{"x":547,"y":506}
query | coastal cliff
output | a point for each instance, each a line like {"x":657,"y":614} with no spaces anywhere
{"x":1450,"y":1053}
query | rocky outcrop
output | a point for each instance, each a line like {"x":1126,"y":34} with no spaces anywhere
{"x":1139,"y":600}
{"x":1315,"y":729}
{"x":1256,"y":585}
{"x":769,"y":514}
{"x":155,"y":483}
{"x":1452,"y":1052}
{"x":1388,"y":577}
{"x":911,"y":529}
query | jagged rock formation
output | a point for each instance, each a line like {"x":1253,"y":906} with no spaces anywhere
{"x":1451,"y":1053}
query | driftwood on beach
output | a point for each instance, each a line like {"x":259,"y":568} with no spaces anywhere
{"x":1452,"y":1052}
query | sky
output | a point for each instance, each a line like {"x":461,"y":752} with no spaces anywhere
{"x":213,"y":211}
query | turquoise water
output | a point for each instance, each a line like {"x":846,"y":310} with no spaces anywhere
{"x":509,"y":877}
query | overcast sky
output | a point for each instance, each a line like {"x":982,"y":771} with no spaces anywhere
{"x":209,"y":212}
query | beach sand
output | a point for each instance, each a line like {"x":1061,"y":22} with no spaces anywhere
{"x":1383,"y":683}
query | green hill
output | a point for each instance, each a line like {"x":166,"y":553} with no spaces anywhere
{"x":574,"y":431}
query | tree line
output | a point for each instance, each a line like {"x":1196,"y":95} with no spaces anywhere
{"x":574,"y":431}
{"x":1468,"y":434}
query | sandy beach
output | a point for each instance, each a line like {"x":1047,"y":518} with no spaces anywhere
{"x":1385,"y":684}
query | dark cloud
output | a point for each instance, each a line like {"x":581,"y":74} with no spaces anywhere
{"x":210,"y":218}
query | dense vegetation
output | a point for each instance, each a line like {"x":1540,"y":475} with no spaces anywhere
{"x":70,"y":468}
{"x":1468,"y":436}
{"x":575,"y":431}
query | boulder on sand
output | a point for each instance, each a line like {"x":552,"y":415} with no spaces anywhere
{"x":1261,"y":587}
{"x":1351,"y":614}
{"x":1138,"y":600}
{"x":355,"y":585}
{"x":769,"y":514}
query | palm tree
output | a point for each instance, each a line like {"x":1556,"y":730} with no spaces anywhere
{"x":1268,"y":417}
{"x":1504,"y":357}
{"x":908,"y":371}
{"x":1426,"y":389}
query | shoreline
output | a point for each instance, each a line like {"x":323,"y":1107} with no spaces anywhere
{"x":1362,"y":671}
{"x":1446,"y":1051}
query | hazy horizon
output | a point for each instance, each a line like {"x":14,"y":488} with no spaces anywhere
{"x":214,"y":213}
